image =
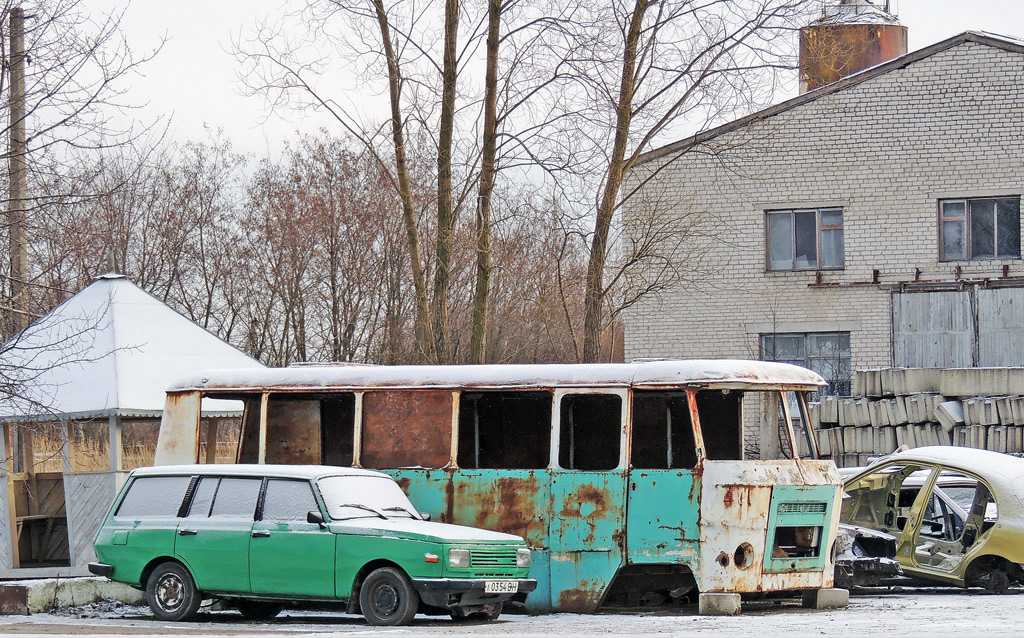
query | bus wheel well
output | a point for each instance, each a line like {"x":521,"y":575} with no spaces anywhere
{"x":651,"y":585}
{"x":364,"y":571}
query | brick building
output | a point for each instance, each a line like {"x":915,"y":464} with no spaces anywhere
{"x":874,"y":221}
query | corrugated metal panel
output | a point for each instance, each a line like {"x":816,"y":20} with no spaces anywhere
{"x":89,"y":496}
{"x":1001,"y":327}
{"x":933,"y":330}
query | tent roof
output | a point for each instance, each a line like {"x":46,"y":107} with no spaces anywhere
{"x":111,"y":349}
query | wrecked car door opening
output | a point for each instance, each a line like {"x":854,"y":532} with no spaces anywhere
{"x":634,"y":484}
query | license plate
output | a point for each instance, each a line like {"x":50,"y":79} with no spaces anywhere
{"x":501,"y":586}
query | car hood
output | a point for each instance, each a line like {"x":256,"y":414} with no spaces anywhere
{"x":425,"y":530}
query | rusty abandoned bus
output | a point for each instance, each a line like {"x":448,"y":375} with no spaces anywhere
{"x":629,"y":481}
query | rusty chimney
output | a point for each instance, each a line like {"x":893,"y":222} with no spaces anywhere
{"x":850,"y":36}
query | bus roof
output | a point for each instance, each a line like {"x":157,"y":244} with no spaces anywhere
{"x":711,"y":373}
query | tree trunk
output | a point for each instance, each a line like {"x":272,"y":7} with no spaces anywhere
{"x":445,"y":212}
{"x":481,"y":298}
{"x":595,"y":293}
{"x":424,"y":334}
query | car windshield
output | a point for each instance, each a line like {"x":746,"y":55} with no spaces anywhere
{"x":364,"y":496}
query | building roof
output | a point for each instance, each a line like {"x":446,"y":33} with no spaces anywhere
{"x":721,"y":373}
{"x":111,"y":349}
{"x":1007,"y":43}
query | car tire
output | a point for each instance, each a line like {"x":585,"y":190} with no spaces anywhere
{"x":171,"y":592}
{"x":258,"y":609}
{"x":387,"y":598}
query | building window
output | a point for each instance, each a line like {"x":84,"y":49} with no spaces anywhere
{"x":983,"y":228}
{"x":805,"y":239}
{"x":827,"y":353}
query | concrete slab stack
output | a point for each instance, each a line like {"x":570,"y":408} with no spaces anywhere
{"x":890,"y":407}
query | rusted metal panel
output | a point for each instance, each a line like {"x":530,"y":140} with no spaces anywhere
{"x":293,"y":431}
{"x":511,"y":501}
{"x":407,"y":428}
{"x":179,"y":429}
{"x":830,"y":52}
{"x":662,"y":517}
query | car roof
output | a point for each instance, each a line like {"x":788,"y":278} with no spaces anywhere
{"x":986,"y":464}
{"x":249,"y":469}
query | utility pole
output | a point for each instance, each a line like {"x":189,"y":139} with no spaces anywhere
{"x":17,"y":173}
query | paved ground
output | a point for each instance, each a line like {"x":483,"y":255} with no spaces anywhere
{"x":897,"y":613}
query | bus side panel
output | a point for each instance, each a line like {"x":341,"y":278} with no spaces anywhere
{"x":510,"y":501}
{"x":587,"y":536}
{"x":663,"y":518}
{"x":427,"y":489}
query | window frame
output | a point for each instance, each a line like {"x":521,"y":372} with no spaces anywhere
{"x":819,"y":229}
{"x":838,"y":386}
{"x":967,"y":235}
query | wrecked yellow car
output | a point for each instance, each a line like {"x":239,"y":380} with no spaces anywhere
{"x":954,"y":515}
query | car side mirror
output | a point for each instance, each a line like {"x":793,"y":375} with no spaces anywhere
{"x":425,"y":516}
{"x":316,"y":518}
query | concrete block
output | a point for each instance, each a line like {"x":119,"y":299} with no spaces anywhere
{"x":865,"y":440}
{"x":1004,"y":406}
{"x":829,"y":598}
{"x":996,"y":438}
{"x":835,"y":439}
{"x":915,"y":406}
{"x":1017,"y":409}
{"x":824,"y":443}
{"x":1015,"y":380}
{"x":949,"y":414}
{"x":977,"y":436}
{"x":903,"y":435}
{"x":878,"y":413}
{"x":973,"y":382}
{"x":897,"y":409}
{"x":814,"y":414}
{"x":850,"y":444}
{"x":866,"y":383}
{"x":908,"y":381}
{"x":830,"y":410}
{"x":46,"y":594}
{"x":718,"y":604}
{"x":885,"y":440}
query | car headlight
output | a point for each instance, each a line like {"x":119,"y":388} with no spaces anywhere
{"x":458,"y":558}
{"x":523,"y":557}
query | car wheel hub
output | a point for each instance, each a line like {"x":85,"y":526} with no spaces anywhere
{"x":385,"y":599}
{"x":169,"y":592}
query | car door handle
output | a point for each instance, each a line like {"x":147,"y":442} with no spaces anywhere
{"x":187,"y":532}
{"x":260,"y":533}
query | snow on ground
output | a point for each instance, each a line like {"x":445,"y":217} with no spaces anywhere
{"x":931,"y":612}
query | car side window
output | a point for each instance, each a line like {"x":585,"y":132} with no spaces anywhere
{"x":202,"y":499}
{"x":236,"y":498}
{"x":288,"y":500}
{"x":154,"y":497}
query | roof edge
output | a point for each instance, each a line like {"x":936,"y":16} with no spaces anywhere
{"x":980,"y":37}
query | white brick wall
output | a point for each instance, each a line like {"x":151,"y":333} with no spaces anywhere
{"x":886,"y":150}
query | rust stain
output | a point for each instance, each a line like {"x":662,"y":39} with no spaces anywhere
{"x":404,"y":483}
{"x":576,"y":505}
{"x":580,"y":600}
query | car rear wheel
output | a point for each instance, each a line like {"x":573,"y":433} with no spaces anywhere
{"x":171,"y":592}
{"x":388,"y":598}
{"x":258,"y":609}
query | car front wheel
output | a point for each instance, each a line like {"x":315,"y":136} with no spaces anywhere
{"x":388,"y":598}
{"x":171,"y":592}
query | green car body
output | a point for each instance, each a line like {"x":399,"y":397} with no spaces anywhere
{"x":260,"y":536}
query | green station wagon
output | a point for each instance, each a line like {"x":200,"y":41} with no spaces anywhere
{"x":262,"y":536}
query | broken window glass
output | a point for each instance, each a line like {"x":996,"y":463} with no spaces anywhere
{"x":827,"y":353}
{"x":407,"y":428}
{"x":720,"y":424}
{"x":662,"y":431}
{"x":591,"y":428}
{"x":504,"y":430}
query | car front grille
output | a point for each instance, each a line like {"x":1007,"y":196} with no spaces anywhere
{"x":493,"y":559}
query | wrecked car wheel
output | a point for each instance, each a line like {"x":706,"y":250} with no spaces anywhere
{"x":171,"y":592}
{"x":387,"y":598}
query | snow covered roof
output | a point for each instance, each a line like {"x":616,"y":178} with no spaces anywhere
{"x":722,"y":373}
{"x":111,"y":349}
{"x":857,"y":12}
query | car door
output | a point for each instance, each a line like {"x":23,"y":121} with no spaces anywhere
{"x":213,"y":539}
{"x":944,"y":536}
{"x":287,"y":555}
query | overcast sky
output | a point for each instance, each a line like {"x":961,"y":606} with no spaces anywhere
{"x":194,"y":76}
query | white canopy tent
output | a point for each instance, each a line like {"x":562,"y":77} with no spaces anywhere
{"x":109,"y":352}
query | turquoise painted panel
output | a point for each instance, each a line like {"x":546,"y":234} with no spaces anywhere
{"x":587,"y":512}
{"x":539,"y":600}
{"x":427,"y":489}
{"x":662,"y":517}
{"x":511,"y":501}
{"x":799,"y":506}
{"x":579,"y":580}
